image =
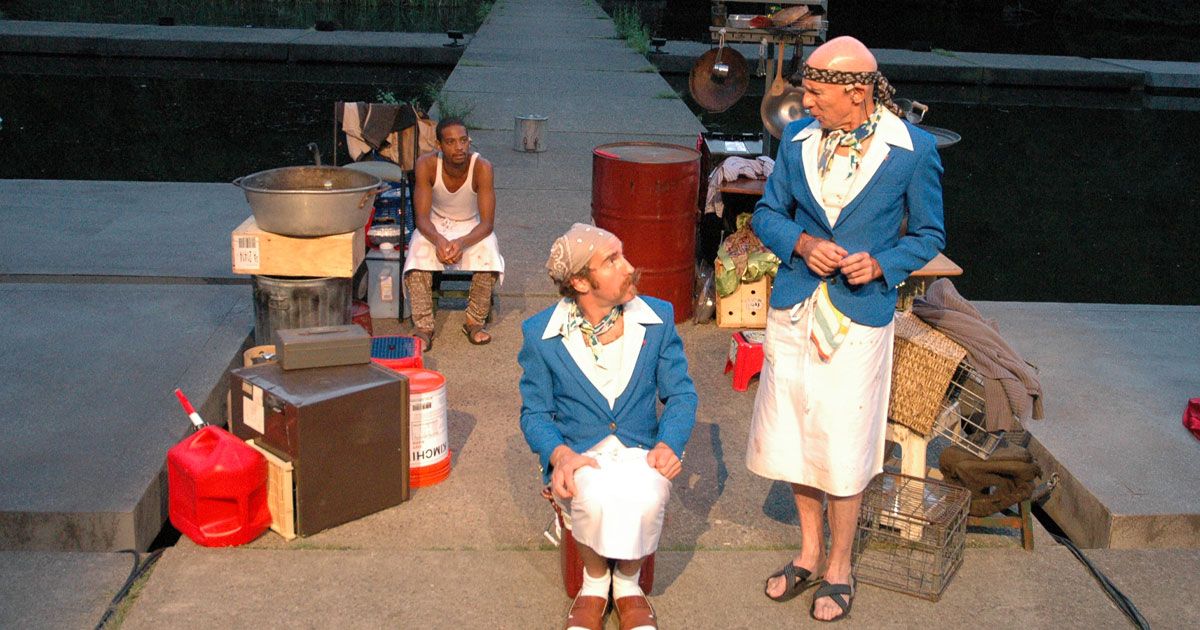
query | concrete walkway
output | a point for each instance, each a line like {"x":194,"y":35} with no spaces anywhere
{"x":127,"y":294}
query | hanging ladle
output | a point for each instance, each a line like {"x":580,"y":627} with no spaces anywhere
{"x":720,"y":70}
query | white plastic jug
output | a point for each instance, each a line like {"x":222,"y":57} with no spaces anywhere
{"x":384,"y":293}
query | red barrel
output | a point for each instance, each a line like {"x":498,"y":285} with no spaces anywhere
{"x":646,"y":194}
{"x":218,"y":489}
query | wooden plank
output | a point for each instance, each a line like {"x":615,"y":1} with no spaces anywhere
{"x":256,"y":251}
{"x":281,"y":500}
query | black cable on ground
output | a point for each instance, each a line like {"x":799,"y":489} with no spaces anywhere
{"x":1110,"y":589}
{"x":139,"y":569}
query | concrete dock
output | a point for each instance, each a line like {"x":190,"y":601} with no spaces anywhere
{"x":127,"y":294}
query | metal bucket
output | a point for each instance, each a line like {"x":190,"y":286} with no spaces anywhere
{"x":646,"y":194}
{"x":281,"y":303}
{"x":529,"y":133}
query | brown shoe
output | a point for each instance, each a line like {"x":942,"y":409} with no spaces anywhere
{"x":587,"y":611}
{"x":635,"y":612}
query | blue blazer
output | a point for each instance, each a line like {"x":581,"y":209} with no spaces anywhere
{"x":908,"y":181}
{"x":559,"y":405}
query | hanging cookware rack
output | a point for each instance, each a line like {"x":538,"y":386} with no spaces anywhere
{"x":738,"y":31}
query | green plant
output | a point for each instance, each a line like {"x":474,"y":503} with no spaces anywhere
{"x":386,"y":96}
{"x":448,"y":105}
{"x":667,"y":94}
{"x":630,"y":27}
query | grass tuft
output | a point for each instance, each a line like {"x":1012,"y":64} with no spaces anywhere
{"x":631,"y":28}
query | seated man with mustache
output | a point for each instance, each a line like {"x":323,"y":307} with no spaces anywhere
{"x":594,"y":366}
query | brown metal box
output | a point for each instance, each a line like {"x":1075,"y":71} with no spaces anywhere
{"x":344,"y":429}
{"x":322,"y":346}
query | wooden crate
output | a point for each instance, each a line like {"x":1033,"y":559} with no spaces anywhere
{"x":747,"y":306}
{"x":259,"y":252}
{"x":281,"y":495}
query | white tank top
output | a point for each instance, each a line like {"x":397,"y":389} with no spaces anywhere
{"x":460,"y":205}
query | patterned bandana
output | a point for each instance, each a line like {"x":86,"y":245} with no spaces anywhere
{"x":852,"y":139}
{"x":591,"y":334}
{"x":571,"y":252}
{"x":883,"y":90}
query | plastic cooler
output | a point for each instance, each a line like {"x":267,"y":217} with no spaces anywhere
{"x":397,"y":352}
{"x":218,"y":489}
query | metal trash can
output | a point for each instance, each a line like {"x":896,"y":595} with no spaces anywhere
{"x":300,"y":302}
{"x":529,"y":133}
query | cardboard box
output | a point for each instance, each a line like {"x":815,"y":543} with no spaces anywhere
{"x":259,"y":252}
{"x":747,"y":306}
{"x":344,"y":429}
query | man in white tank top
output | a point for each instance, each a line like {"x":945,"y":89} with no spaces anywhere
{"x":454,"y":205}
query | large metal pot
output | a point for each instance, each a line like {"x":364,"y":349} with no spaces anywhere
{"x":310,"y":200}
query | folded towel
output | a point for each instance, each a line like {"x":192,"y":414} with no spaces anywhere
{"x":831,"y":325}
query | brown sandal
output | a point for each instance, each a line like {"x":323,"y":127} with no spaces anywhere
{"x":472,"y":332}
{"x":426,"y":337}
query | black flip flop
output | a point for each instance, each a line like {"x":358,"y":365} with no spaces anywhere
{"x":798,"y":579}
{"x":834,"y":592}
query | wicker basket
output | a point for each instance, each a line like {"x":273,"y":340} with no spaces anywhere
{"x":923,"y":364}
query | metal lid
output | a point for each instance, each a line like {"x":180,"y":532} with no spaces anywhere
{"x":647,"y":152}
{"x":945,"y":137}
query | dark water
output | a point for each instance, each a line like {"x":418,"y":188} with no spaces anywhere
{"x":1043,"y":203}
{"x":1151,"y":29}
{"x":157,"y":129}
{"x":1059,"y":204}
{"x":433,"y":16}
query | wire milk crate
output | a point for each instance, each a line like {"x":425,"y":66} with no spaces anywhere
{"x":911,"y":534}
{"x":961,"y":419}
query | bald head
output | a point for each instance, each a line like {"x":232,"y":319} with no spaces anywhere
{"x":845,"y":54}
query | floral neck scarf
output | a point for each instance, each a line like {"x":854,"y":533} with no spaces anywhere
{"x":591,"y":334}
{"x":853,"y":139}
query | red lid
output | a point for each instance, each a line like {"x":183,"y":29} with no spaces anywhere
{"x":421,"y":381}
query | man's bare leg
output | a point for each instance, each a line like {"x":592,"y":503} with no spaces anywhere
{"x":629,"y":567}
{"x":595,"y":564}
{"x":843,"y":521}
{"x":812,"y":541}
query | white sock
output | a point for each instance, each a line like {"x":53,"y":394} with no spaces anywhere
{"x":596,"y":586}
{"x":625,"y":585}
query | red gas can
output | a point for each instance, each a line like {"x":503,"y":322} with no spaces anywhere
{"x":218,"y":489}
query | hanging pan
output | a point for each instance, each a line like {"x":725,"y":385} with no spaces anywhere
{"x":783,"y":102}
{"x":718,"y":78}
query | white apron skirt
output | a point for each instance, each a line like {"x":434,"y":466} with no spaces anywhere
{"x":618,"y":508}
{"x":820,"y":424}
{"x":482,"y":256}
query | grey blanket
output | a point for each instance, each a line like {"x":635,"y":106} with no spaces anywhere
{"x":1011,"y":387}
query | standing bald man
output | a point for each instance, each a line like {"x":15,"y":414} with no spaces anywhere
{"x":832,"y":211}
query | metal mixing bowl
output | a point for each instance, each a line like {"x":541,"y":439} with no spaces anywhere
{"x":310,"y":200}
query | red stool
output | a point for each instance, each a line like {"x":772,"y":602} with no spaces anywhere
{"x":572,"y":563}
{"x":745,"y":357}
